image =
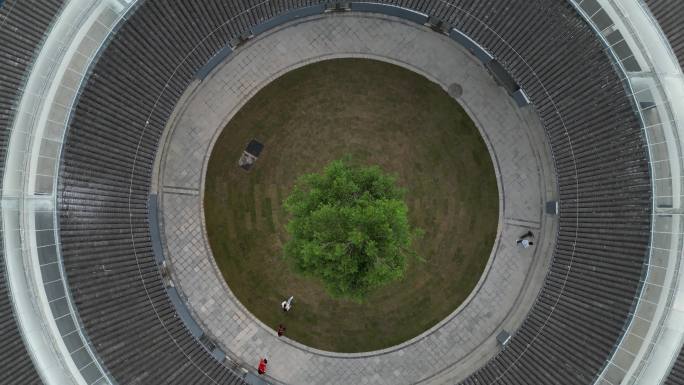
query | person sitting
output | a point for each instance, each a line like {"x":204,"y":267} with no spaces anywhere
{"x":524,"y":241}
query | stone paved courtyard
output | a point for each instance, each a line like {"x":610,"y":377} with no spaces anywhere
{"x":463,"y":341}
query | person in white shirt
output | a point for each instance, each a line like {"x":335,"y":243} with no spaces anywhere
{"x":287,"y":305}
{"x":524,"y":241}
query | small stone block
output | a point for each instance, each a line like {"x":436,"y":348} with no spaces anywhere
{"x":503,"y":337}
{"x":552,"y":208}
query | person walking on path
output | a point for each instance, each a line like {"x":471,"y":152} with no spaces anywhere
{"x":281,"y":330}
{"x":287,"y":305}
{"x":525,"y":241}
{"x":262,"y":365}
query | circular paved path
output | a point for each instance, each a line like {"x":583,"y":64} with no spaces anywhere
{"x":463,"y":341}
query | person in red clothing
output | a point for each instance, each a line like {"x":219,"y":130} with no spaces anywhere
{"x":262,"y":366}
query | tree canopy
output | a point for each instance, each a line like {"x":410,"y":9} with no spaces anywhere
{"x":349,"y":227}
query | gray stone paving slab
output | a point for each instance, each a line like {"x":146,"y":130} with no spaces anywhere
{"x":463,"y":341}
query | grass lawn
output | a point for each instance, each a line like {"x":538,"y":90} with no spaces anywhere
{"x":381,"y":114}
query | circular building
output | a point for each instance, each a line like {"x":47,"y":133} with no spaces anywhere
{"x":149,"y":149}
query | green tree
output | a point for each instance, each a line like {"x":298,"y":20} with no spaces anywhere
{"x":349,"y":228}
